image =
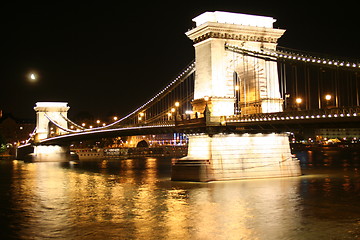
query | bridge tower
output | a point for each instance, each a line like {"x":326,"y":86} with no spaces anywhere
{"x":219,"y":75}
{"x":56,"y":111}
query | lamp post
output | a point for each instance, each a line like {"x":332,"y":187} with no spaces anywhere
{"x":169,"y":114}
{"x":141,"y":116}
{"x":287,"y":96}
{"x":176,"y":111}
{"x":298,"y":103}
{"x":328,"y":97}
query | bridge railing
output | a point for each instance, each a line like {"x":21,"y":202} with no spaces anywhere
{"x":301,"y":114}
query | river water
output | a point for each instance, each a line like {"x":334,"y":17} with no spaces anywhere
{"x":135,"y":199}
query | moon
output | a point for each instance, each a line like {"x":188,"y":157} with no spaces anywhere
{"x":32,"y":77}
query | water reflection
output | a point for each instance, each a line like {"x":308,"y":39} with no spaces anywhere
{"x":135,"y":199}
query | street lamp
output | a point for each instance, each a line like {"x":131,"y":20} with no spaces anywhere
{"x":298,"y":102}
{"x":141,"y":115}
{"x":327,"y":98}
{"x":287,"y":96}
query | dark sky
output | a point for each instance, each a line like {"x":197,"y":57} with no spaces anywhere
{"x":106,"y":57}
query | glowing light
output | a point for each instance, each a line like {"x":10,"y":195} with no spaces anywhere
{"x":177,"y":104}
{"x":32,"y":76}
{"x":298,"y":100}
{"x":327,"y":97}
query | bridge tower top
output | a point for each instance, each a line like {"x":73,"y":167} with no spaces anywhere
{"x":234,"y":18}
{"x":215,"y":67}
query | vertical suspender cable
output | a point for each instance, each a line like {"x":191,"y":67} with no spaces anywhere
{"x":336,"y":86}
{"x":357,"y":90}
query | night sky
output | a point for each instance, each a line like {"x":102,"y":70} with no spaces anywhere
{"x":104,"y":58}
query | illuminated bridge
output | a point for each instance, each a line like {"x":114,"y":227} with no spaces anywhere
{"x":241,"y":92}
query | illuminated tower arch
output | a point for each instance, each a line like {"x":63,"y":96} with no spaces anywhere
{"x":56,"y":111}
{"x":255,"y":84}
{"x":214,"y":84}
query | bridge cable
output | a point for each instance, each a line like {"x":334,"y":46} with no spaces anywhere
{"x":180,"y":78}
{"x":280,"y":53}
{"x":72,"y":123}
{"x":58,"y":125}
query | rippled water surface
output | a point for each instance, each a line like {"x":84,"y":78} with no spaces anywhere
{"x":135,"y":199}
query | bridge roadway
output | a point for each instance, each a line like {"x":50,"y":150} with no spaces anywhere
{"x":287,"y":121}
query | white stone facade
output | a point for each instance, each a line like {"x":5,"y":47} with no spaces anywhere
{"x":236,"y":156}
{"x":215,"y":66}
{"x":53,"y":110}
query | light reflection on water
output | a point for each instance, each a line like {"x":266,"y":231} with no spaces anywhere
{"x":135,"y":199}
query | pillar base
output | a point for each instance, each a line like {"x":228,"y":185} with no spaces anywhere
{"x":44,"y":153}
{"x":236,"y":156}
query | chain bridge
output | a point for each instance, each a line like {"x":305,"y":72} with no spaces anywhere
{"x":235,"y":102}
